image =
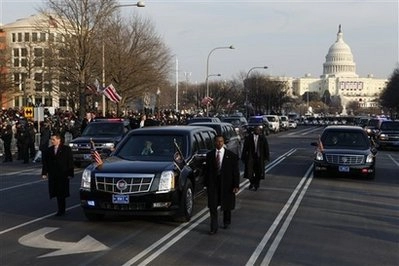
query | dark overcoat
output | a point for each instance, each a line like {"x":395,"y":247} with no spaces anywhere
{"x":221,"y":194}
{"x":248,"y":154}
{"x":58,"y":167}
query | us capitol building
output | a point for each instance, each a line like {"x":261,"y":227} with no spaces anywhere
{"x":340,"y":79}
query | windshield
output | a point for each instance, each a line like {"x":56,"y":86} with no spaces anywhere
{"x":255,"y":120}
{"x":103,"y":130}
{"x":150,"y":147}
{"x":390,"y":126}
{"x":345,"y":139}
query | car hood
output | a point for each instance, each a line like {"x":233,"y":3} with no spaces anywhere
{"x":95,"y":139}
{"x":347,"y":151}
{"x":115,"y":164}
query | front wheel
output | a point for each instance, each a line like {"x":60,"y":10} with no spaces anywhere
{"x":186,"y":203}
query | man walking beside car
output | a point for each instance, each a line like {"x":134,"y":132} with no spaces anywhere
{"x":255,"y":153}
{"x":222,"y":183}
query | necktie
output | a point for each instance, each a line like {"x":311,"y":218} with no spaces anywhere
{"x":55,"y":150}
{"x":256,"y":144}
{"x":218,"y":160}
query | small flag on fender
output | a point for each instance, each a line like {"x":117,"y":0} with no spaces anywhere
{"x":94,"y":153}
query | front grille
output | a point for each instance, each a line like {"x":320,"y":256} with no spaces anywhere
{"x":135,"y":206}
{"x":124,"y":184}
{"x":345,"y":159}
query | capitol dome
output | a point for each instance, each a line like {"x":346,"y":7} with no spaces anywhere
{"x":339,"y":59}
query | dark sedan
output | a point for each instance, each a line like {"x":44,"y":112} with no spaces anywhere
{"x":344,"y":151}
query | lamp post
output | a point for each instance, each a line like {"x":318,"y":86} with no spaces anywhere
{"x":207,"y":71}
{"x":138,"y":4}
{"x":246,"y":87}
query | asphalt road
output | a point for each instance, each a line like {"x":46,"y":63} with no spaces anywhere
{"x":292,"y":219}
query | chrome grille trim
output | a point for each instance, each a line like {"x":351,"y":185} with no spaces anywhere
{"x":345,"y":159}
{"x":135,"y":183}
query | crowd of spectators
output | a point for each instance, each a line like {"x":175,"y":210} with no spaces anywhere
{"x":28,"y":136}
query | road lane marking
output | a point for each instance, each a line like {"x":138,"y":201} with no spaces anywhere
{"x":283,"y":229}
{"x":37,"y":239}
{"x":276,"y":222}
{"x":391,"y":157}
{"x":195,"y":222}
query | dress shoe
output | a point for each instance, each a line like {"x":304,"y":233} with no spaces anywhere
{"x":255,"y":188}
{"x":60,"y":214}
{"x":212,"y":232}
{"x":250,"y":187}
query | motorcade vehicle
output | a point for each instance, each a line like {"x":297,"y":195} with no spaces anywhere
{"x":153,"y":171}
{"x":373,"y":126}
{"x":344,"y":151}
{"x":284,"y":125}
{"x":203,"y":119}
{"x":258,"y":121}
{"x":239,"y":123}
{"x":232,"y":139}
{"x":274,"y":122}
{"x":292,"y":124}
{"x":104,"y":133}
{"x":388,"y":135}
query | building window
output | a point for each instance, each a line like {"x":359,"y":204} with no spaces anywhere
{"x":24,"y":52}
{"x":63,"y":102}
{"x":27,"y":36}
{"x":48,"y":102}
{"x":16,"y":52}
{"x":38,"y":62}
{"x":34,"y":36}
{"x":16,"y":79}
{"x":38,"y":52}
{"x":24,"y":62}
{"x":42,"y":36}
{"x":16,"y":62}
{"x":14,"y":37}
{"x":51,"y":37}
{"x":19,"y":36}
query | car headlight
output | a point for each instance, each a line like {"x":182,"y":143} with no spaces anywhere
{"x":319,"y":156}
{"x":109,"y":145}
{"x":383,"y":136}
{"x":167,"y":181}
{"x":370,"y":158}
{"x":86,"y":179}
{"x":73,"y":145}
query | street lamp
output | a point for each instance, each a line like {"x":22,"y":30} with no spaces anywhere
{"x":207,"y":71}
{"x":246,"y":88}
{"x":138,"y":4}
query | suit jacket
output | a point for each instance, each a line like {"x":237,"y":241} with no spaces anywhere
{"x":249,"y":156}
{"x":58,"y":167}
{"x":220,"y":188}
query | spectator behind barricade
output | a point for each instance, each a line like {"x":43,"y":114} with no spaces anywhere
{"x":142,"y":120}
{"x":45,"y":134}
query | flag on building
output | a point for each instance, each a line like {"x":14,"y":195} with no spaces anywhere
{"x":94,"y":153}
{"x":110,"y":93}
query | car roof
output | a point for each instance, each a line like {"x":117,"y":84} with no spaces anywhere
{"x":343,"y":128}
{"x":170,"y":129}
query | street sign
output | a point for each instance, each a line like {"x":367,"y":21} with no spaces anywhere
{"x":28,"y":112}
{"x":38,"y":114}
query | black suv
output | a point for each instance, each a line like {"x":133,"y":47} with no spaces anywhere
{"x":388,"y":136}
{"x":231,"y":138}
{"x":146,"y":175}
{"x":259,"y":121}
{"x":105,"y":133}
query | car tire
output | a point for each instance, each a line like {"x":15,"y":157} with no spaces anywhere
{"x":93,"y":217}
{"x":186,"y":203}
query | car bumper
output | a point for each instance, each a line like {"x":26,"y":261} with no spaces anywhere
{"x":139,"y":204}
{"x":353,"y":170}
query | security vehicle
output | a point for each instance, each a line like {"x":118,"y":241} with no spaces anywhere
{"x":104,"y":133}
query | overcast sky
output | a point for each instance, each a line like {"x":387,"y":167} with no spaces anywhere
{"x":292,"y":37}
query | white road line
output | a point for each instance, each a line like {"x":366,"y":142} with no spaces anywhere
{"x":35,"y":220}
{"x":276,"y":222}
{"x":283,"y":229}
{"x":21,"y":185}
{"x":194,"y":224}
{"x":391,"y":157}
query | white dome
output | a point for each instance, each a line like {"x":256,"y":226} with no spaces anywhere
{"x":339,"y":59}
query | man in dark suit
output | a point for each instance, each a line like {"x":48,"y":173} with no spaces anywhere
{"x":255,"y":153}
{"x":222,"y":178}
{"x":58,"y":168}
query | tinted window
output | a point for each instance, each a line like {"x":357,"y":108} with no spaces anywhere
{"x":391,"y":125}
{"x":162,"y":147}
{"x":353,"y":139}
{"x":104,"y":129}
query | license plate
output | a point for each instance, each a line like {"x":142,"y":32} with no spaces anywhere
{"x":87,"y":156}
{"x":120,"y":199}
{"x":343,"y":168}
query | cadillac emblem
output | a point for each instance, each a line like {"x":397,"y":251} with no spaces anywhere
{"x":121,"y":185}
